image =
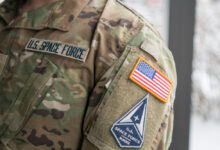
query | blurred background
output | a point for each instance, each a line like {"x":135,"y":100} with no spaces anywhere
{"x":191,"y":29}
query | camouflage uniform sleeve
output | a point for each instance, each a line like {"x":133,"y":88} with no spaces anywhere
{"x":122,"y":95}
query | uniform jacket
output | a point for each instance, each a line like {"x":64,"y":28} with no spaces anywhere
{"x":69,"y":100}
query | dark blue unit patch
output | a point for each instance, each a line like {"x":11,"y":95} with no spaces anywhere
{"x":129,"y":130}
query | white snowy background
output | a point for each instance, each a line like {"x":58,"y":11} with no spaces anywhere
{"x":205,"y":118}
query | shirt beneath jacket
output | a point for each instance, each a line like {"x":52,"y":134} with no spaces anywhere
{"x":67,"y":78}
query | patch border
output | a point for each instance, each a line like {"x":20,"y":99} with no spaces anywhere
{"x":147,"y":89}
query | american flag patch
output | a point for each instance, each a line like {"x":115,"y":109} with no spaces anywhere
{"x":149,"y":78}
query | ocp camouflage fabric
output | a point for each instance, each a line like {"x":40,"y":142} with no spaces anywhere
{"x":52,"y":102}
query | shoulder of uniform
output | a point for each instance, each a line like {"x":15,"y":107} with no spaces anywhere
{"x":148,"y":39}
{"x":126,"y":24}
{"x":138,"y":16}
{"x":132,"y":29}
{"x":142,"y":25}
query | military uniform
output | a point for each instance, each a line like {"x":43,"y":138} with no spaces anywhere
{"x":64,"y":76}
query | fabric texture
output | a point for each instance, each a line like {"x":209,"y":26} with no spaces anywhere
{"x":52,"y":102}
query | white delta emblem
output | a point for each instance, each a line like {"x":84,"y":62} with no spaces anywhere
{"x":130,"y":128}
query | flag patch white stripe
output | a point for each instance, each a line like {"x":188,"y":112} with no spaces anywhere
{"x":149,"y":83}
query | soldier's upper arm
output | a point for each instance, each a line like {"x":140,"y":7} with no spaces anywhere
{"x":136,"y":110}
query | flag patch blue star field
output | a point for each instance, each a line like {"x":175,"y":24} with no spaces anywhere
{"x":129,"y":130}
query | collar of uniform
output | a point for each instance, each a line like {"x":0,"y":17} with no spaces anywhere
{"x":8,"y":10}
{"x":57,"y":15}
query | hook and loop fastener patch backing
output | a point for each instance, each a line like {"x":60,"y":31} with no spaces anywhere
{"x":148,"y":77}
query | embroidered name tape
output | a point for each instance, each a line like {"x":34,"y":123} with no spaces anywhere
{"x":129,"y":130}
{"x":149,"y":78}
{"x":57,"y":48}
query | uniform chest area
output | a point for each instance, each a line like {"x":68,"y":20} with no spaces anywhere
{"x":41,"y":85}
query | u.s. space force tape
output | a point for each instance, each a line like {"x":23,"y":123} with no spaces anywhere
{"x":57,"y":48}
